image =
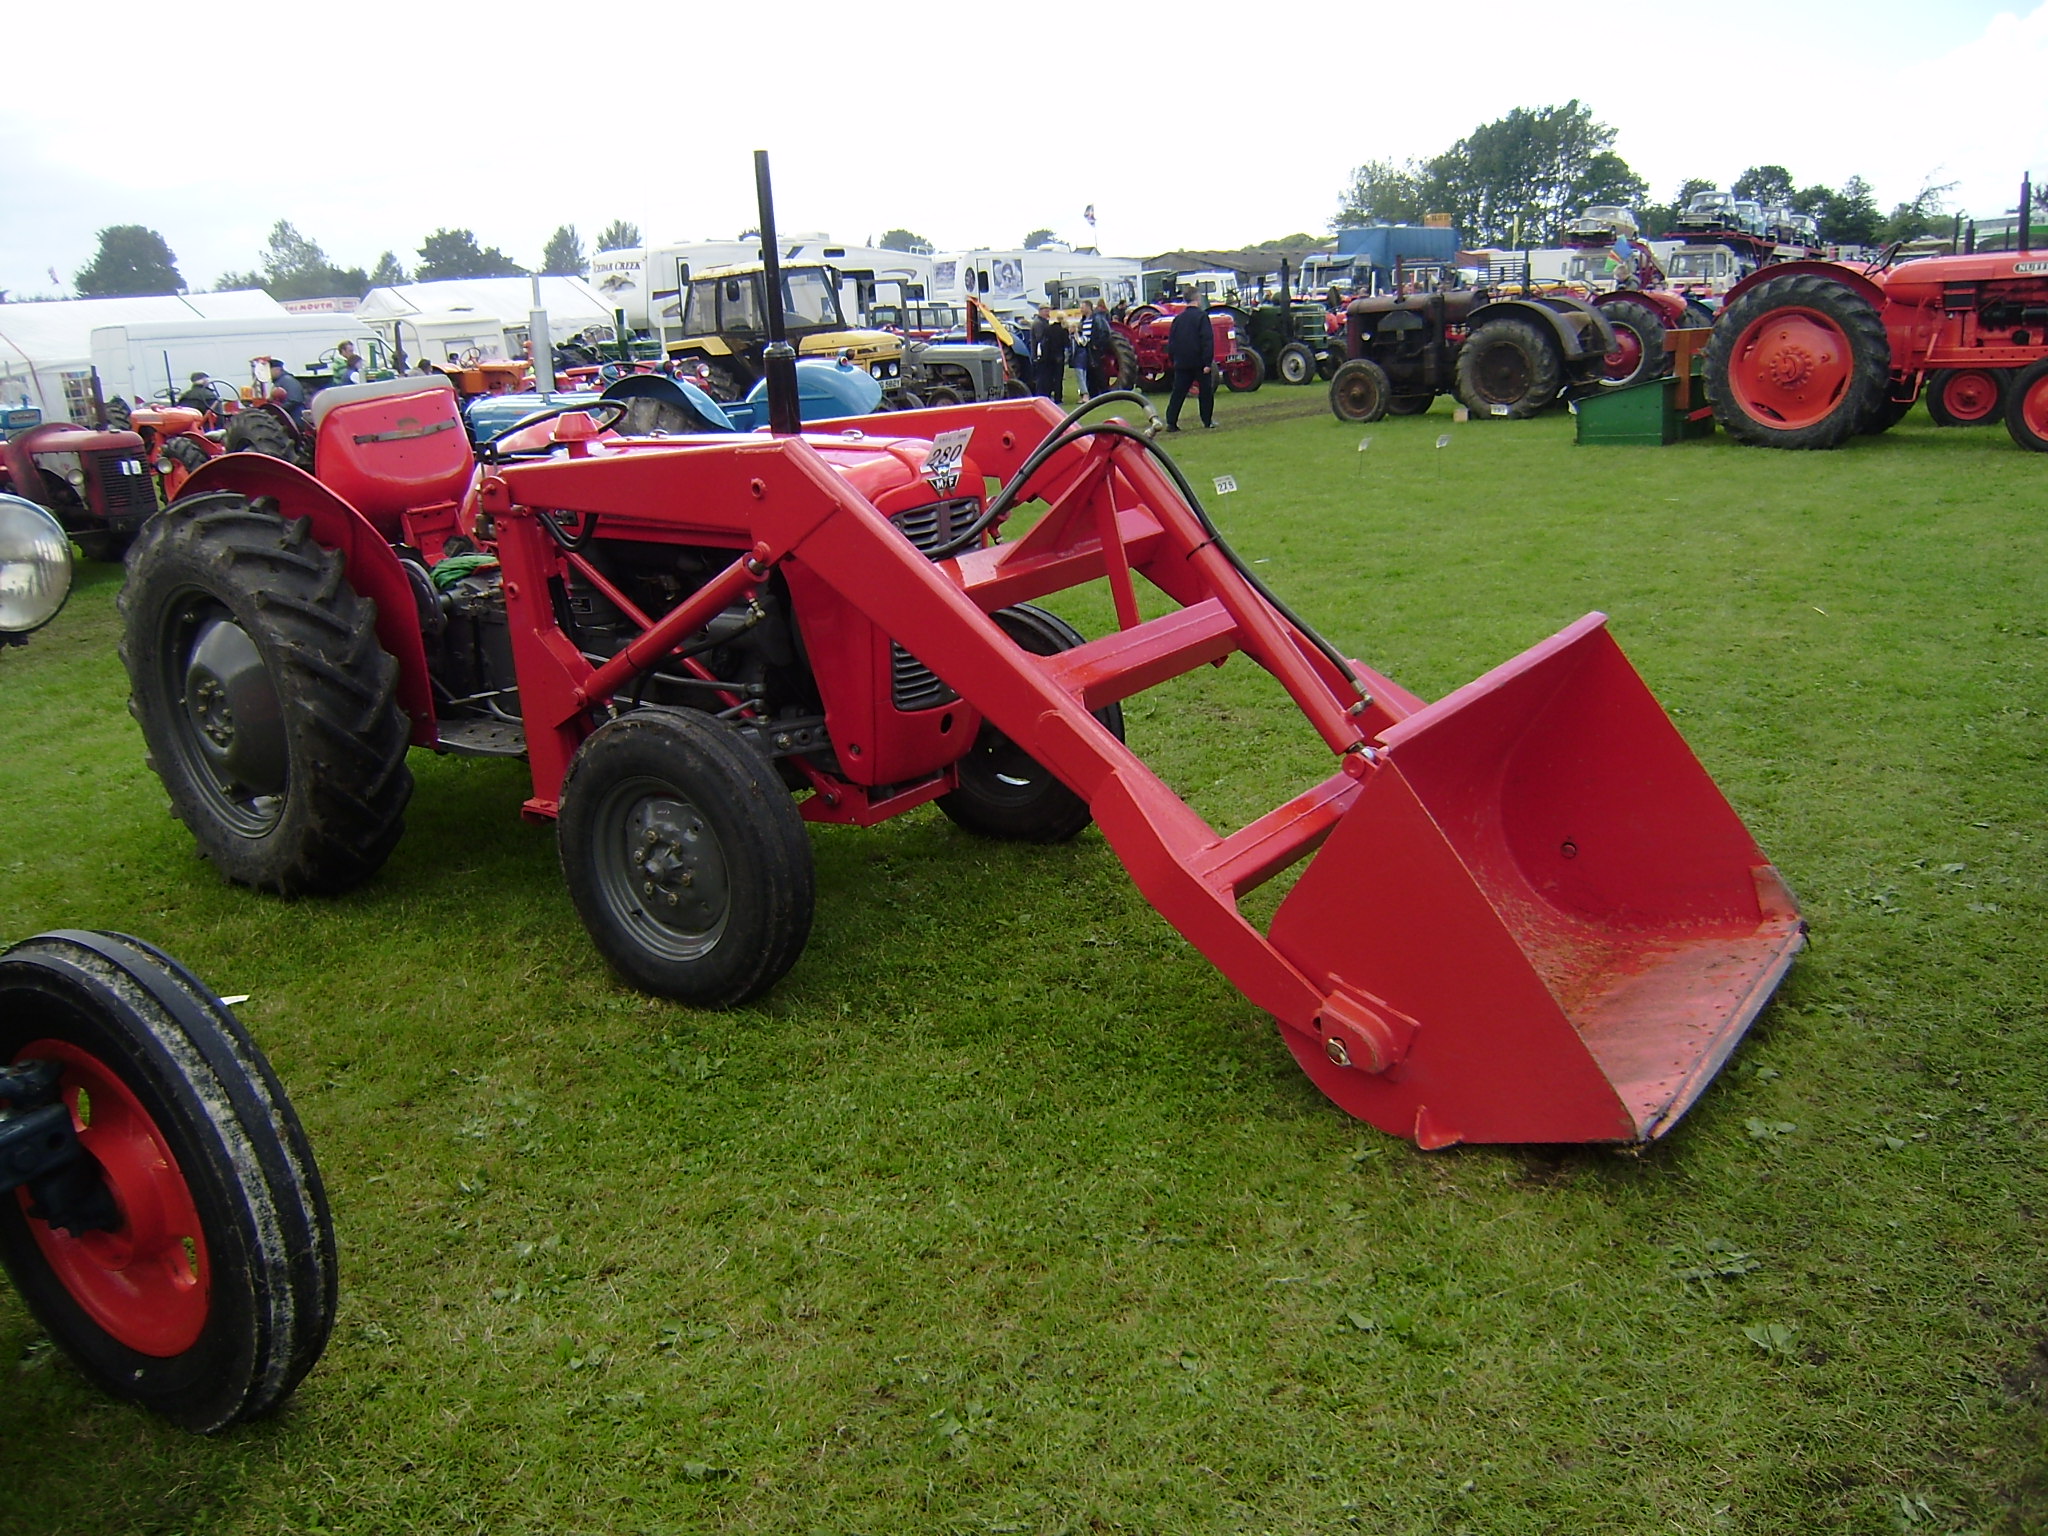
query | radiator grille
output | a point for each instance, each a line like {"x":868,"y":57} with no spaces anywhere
{"x":911,"y":683}
{"x":126,"y":482}
{"x":930,"y":526}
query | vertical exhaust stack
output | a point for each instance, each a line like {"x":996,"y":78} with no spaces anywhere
{"x":785,"y":419}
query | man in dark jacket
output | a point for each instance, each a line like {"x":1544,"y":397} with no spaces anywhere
{"x":1049,"y":344}
{"x":1191,"y":348}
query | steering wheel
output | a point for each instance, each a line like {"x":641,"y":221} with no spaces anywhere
{"x":614,"y":412}
{"x":472,"y":357}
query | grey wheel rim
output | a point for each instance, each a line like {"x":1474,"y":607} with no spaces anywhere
{"x":662,"y":870}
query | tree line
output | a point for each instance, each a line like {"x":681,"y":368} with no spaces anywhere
{"x":1517,"y":182}
{"x":133,"y":259}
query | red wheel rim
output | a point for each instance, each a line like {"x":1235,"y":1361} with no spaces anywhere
{"x":1971,"y":395}
{"x":1627,"y":355}
{"x":2034,"y":407}
{"x":1790,"y":368}
{"x":145,"y":1283}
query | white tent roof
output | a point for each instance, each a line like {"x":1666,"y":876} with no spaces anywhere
{"x":41,"y":342}
{"x":568,"y":300}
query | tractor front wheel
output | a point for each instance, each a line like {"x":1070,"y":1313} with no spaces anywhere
{"x":2026,"y":407}
{"x":204,"y":1288}
{"x":941,"y":395}
{"x":267,"y":705}
{"x":1361,"y":391}
{"x":1638,"y":344}
{"x":263,"y":429}
{"x":1244,"y":373}
{"x":1296,"y":364}
{"x":685,"y":858}
{"x":1507,"y":368}
{"x":1003,"y":791}
{"x":1967,"y":397}
{"x":1799,"y":361}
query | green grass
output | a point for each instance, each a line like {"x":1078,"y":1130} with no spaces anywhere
{"x":1006,"y":1213}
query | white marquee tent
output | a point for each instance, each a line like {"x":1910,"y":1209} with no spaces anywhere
{"x":46,"y":348}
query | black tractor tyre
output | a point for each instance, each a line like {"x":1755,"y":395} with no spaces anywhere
{"x":165,"y":1069}
{"x":1017,"y":389}
{"x":1644,"y":327}
{"x":1885,"y":413}
{"x":1296,"y":364}
{"x":903,"y":400}
{"x":1697,"y":316}
{"x":1360,"y":391}
{"x":1410,"y":405}
{"x":183,"y":450}
{"x":257,"y":429}
{"x":268,"y":708}
{"x":1245,"y":375}
{"x":686,"y":858}
{"x":2026,"y":407}
{"x":1123,"y":362}
{"x":1005,"y":793}
{"x":1328,"y":364}
{"x":1508,"y":368}
{"x":943,"y":394}
{"x":1754,"y":376}
{"x":1967,"y":397}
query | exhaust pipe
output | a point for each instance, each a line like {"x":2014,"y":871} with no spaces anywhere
{"x":785,"y":418}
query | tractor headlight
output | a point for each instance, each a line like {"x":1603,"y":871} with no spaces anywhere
{"x":35,"y":566}
{"x":77,"y":479}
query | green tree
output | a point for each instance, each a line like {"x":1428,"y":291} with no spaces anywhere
{"x":1384,"y":193}
{"x":904,"y":240}
{"x":1519,"y":178}
{"x":1039,"y":237}
{"x":1921,"y":216}
{"x":1608,"y":179}
{"x":455,"y":253}
{"x":130,"y":260}
{"x":295,"y":267}
{"x":1852,"y":216}
{"x":1766,"y":184}
{"x":619,"y":235}
{"x":387,"y":273}
{"x":564,"y":256}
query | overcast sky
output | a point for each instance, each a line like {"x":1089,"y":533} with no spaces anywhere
{"x":371,"y":125}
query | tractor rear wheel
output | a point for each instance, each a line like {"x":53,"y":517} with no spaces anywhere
{"x":1361,"y":391}
{"x":2026,"y":407}
{"x":267,"y":705}
{"x":1967,"y":397}
{"x":1799,"y":361}
{"x":1885,"y":413}
{"x":1004,"y":792}
{"x":259,"y":429}
{"x":1123,"y":362}
{"x":1328,"y":364}
{"x":685,"y":858}
{"x":1507,"y":368}
{"x":1409,"y":405}
{"x":214,"y":1292}
{"x":1638,"y":344}
{"x":1697,"y":316}
{"x":1296,"y":364}
{"x":1243,"y":374}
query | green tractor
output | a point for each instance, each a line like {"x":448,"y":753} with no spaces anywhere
{"x":1292,"y":337}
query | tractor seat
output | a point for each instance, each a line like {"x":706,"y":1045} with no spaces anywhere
{"x":391,"y":445}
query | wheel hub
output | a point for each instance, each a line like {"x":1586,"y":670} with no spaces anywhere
{"x":678,"y":869}
{"x":232,"y":705}
{"x":1790,"y":366}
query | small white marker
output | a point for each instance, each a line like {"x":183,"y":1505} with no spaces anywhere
{"x":1500,"y":410}
{"x":1364,"y":443}
{"x":1444,"y":441}
{"x":1225,"y":484}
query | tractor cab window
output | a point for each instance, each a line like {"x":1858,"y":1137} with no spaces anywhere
{"x":809,"y":298}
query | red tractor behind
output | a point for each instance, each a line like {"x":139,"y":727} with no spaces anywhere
{"x":1807,"y":354}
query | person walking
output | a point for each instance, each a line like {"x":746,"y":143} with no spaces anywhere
{"x":1049,"y":343}
{"x":1095,"y":334}
{"x":1191,"y":349}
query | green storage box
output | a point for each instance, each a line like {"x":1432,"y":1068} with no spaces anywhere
{"x":1640,"y":414}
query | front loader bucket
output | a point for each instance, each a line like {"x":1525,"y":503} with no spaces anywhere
{"x":1540,"y":910}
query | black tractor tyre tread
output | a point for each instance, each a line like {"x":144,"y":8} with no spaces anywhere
{"x":2017,"y":390}
{"x":1124,"y":362}
{"x":1870,"y":350}
{"x":1884,"y":413}
{"x":1360,"y":392}
{"x":1409,"y":405}
{"x":1328,"y":364}
{"x":1937,"y":398}
{"x":1038,"y":808}
{"x":1539,"y":355}
{"x":259,"y":431}
{"x":240,"y":1148}
{"x":1649,"y":328}
{"x":1295,"y":364}
{"x":760,"y":833}
{"x":943,"y":394}
{"x":183,"y":450}
{"x":347,"y":780}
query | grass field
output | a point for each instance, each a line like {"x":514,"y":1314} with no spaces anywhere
{"x":1005,"y":1213}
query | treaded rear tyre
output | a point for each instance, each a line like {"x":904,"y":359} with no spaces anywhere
{"x":257,"y":429}
{"x":168,"y":1072}
{"x":267,"y":706}
{"x":1638,"y":344}
{"x":1507,"y":362}
{"x":1003,"y":791}
{"x":686,"y":859}
{"x":1799,"y":361}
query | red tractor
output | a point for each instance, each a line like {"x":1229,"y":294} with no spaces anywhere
{"x":1807,"y":354}
{"x":1532,"y":916}
{"x":1240,"y":367}
{"x":98,"y":483}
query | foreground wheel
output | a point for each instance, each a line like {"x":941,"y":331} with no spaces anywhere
{"x":1507,"y":368}
{"x":1967,"y":397}
{"x":1296,"y":364}
{"x":1360,"y":391}
{"x":1244,"y":374}
{"x":2026,"y":407}
{"x":267,"y":706}
{"x":1003,"y":791}
{"x":1799,"y":361}
{"x":259,"y":429}
{"x":686,"y":858}
{"x":212,"y":1292}
{"x":1638,"y":344}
